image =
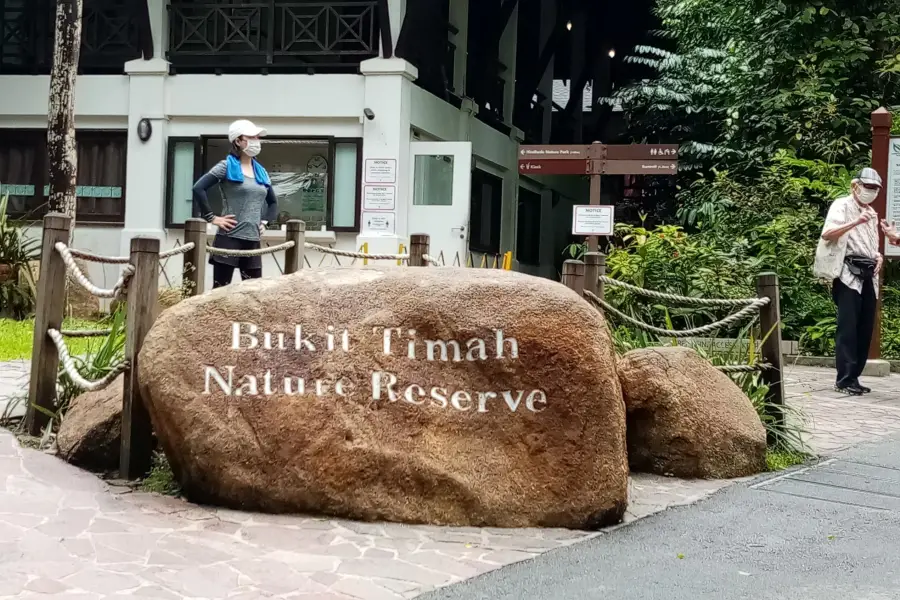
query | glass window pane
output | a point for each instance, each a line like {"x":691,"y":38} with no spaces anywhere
{"x":346,"y":168}
{"x":433,"y":181}
{"x":299,"y":172}
{"x":182,"y":182}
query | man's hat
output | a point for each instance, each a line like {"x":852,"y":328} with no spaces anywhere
{"x":869,"y":176}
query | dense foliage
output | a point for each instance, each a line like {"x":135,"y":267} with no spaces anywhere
{"x":771,"y":102}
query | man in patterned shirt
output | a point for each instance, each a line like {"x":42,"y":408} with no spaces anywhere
{"x":851,"y":219}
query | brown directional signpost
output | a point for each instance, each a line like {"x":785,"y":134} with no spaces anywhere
{"x":596,"y":160}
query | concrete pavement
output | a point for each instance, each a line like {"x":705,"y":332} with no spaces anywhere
{"x":828,"y":532}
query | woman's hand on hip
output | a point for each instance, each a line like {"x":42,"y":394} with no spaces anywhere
{"x":227,"y":222}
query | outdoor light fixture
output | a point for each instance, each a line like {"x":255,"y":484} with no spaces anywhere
{"x":144,"y":129}
{"x":569,"y":25}
{"x":370,"y":115}
{"x":612,"y":53}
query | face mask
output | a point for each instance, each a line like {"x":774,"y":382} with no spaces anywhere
{"x":866,"y":196}
{"x":253,"y":148}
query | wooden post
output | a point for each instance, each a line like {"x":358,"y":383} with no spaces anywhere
{"x":49,"y":310}
{"x":573,"y":276}
{"x":137,"y":432}
{"x":418,"y":248}
{"x":293,"y":257}
{"x":195,"y":260}
{"x":592,"y":271}
{"x":770,"y":325}
{"x":601,"y":272}
{"x":881,"y":139}
{"x":597,"y":153}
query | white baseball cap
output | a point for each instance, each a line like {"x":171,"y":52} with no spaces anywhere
{"x":244,"y":127}
{"x":869,"y":176}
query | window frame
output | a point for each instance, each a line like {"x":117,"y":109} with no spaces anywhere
{"x":528,"y":259}
{"x":202,"y":164}
{"x":41,"y":173}
{"x":496,"y":243}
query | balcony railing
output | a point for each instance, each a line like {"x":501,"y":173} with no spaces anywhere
{"x":272,"y":35}
{"x":109,"y":36}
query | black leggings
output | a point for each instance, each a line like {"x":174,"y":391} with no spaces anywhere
{"x":223,"y":274}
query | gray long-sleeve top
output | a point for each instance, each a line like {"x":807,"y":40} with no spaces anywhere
{"x":245,"y":200}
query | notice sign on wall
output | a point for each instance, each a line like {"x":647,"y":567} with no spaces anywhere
{"x":379,"y":197}
{"x":589,"y":219}
{"x":892,"y":202}
{"x":379,"y":222}
{"x":381,"y":170}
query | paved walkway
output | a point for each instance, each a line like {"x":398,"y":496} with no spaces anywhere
{"x":64,"y":533}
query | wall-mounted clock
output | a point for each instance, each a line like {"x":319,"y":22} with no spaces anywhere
{"x":317,"y":165}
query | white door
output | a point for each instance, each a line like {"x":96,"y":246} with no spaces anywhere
{"x":442,"y":185}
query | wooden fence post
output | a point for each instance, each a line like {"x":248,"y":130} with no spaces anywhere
{"x":142,"y":292}
{"x":418,"y":248}
{"x":573,"y":276}
{"x":195,"y":260}
{"x":770,"y":325}
{"x":50,"y":307}
{"x":293,"y":257}
{"x":592,"y":271}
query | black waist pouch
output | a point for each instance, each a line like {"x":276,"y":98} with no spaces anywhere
{"x":860,"y":266}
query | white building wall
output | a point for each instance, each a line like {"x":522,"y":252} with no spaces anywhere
{"x":287,"y":105}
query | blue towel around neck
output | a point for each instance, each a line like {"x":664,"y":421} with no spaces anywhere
{"x":234,"y":173}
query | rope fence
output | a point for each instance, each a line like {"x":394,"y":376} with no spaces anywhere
{"x":82,"y":280}
{"x":85,"y":333}
{"x":72,"y":371}
{"x":588,"y":279}
{"x":733,"y":319}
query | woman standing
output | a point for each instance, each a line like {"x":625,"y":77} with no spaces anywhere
{"x":248,"y":203}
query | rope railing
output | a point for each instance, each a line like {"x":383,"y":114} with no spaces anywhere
{"x":124,"y":260}
{"x":350,"y":254}
{"x":685,"y":300}
{"x":85,"y":333}
{"x":69,"y":366}
{"x":83,"y":281}
{"x":431,"y":260}
{"x":732,"y":319}
{"x":255,"y":252}
{"x":732,"y":369}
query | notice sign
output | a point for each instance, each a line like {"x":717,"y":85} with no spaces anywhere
{"x":379,"y":197}
{"x":381,"y":170}
{"x":590,"y":219}
{"x":892,"y":202}
{"x":379,"y":222}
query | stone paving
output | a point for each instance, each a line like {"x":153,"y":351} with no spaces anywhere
{"x":834,"y":422}
{"x":66,"y":534}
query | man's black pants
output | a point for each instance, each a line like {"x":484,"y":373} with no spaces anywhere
{"x":855,"y":323}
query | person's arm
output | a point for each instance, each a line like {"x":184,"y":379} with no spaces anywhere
{"x":271,"y":209}
{"x":836,"y":225}
{"x":201,"y":197}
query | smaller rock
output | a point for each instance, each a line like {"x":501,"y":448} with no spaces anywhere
{"x":688,"y":419}
{"x":91,"y":431}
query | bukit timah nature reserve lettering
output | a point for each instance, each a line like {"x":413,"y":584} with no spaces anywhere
{"x":381,"y":386}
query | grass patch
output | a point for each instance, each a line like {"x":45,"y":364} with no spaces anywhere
{"x":161,"y":480}
{"x":779,"y":460}
{"x":16,"y":337}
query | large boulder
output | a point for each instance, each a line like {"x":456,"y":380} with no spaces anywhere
{"x":492,"y":400}
{"x":91,"y":431}
{"x":688,"y":419}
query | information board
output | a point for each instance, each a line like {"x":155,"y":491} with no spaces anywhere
{"x":590,"y":219}
{"x":892,"y":202}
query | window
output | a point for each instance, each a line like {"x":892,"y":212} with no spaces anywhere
{"x":101,"y":174}
{"x":487,"y":202}
{"x":315,"y":180}
{"x":528,"y":228}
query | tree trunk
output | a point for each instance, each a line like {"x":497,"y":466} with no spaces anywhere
{"x":61,"y":149}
